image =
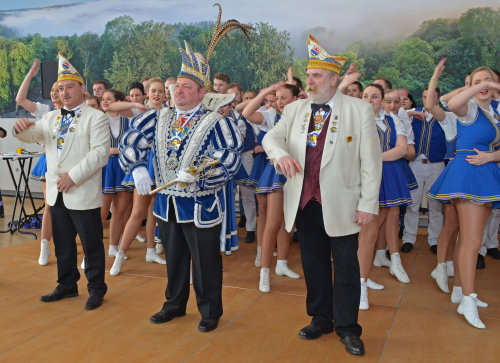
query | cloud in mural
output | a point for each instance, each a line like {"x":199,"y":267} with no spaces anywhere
{"x":337,"y":22}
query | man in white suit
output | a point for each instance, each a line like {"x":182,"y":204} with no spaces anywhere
{"x":77,"y":146}
{"x":329,"y":150}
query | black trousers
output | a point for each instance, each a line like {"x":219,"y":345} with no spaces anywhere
{"x":326,"y":301}
{"x":183,"y":242}
{"x":66,"y":223}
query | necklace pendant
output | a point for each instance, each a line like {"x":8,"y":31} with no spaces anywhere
{"x":172,"y":162}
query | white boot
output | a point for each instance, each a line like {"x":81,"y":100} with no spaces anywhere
{"x":363,"y":299}
{"x":152,"y":256}
{"x":140,"y":238}
{"x":117,"y":264}
{"x":257,"y":258}
{"x":450,"y":270}
{"x":397,"y":269}
{"x":282,"y":269}
{"x":381,"y":259}
{"x":44,"y":252}
{"x":468,"y":308}
{"x":159,"y":248}
{"x":373,"y":285}
{"x":112,"y":250}
{"x":457,"y":296}
{"x":83,"y":266}
{"x":264,"y":280}
{"x":440,"y":274}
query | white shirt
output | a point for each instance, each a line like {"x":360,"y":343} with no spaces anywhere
{"x":41,"y":109}
{"x":397,"y":122}
{"x":405,"y":120}
{"x":472,"y":111}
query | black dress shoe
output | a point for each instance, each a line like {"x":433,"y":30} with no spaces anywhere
{"x":94,"y":301}
{"x":314,"y":331}
{"x":480,"y":264}
{"x":57,"y":295}
{"x":207,"y":325}
{"x":493,"y":252}
{"x":406,"y":247}
{"x":250,"y":237}
{"x":242,"y":222}
{"x":434,"y":249}
{"x":353,"y":345}
{"x":163,"y":316}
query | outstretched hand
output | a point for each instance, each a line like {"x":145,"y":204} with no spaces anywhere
{"x":439,"y":68}
{"x":22,"y":124}
{"x":350,"y":76}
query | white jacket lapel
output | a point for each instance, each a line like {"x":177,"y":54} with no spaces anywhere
{"x":333,"y":130}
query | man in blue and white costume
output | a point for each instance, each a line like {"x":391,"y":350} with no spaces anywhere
{"x":191,"y":210}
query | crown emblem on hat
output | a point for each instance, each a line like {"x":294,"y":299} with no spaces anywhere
{"x":194,"y":65}
{"x":320,"y":59}
{"x":66,"y":71}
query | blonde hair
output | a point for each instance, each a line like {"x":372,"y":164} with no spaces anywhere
{"x":154,"y":80}
{"x":480,"y":69}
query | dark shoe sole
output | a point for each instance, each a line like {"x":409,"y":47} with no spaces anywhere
{"x":354,"y":352}
{"x":323,"y":331}
{"x":156,"y":321}
{"x":207,"y":329}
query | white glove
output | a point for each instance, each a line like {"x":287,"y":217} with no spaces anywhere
{"x":142,"y":180}
{"x":184,"y":177}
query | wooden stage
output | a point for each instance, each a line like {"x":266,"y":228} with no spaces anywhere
{"x":405,"y":323}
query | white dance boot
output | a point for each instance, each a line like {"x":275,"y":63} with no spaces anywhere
{"x":159,"y":249}
{"x":140,"y":238}
{"x":264,"y":280}
{"x":440,"y":274}
{"x":117,"y":264}
{"x":397,"y":269}
{"x":457,"y":296}
{"x":363,"y":298}
{"x":257,"y":257}
{"x":381,"y":259}
{"x":112,"y":250}
{"x":282,"y":269}
{"x":44,"y":252}
{"x":373,"y":285}
{"x":450,"y":270}
{"x":468,"y":308}
{"x":152,"y":256}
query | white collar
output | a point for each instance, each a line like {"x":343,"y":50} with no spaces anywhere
{"x":187,"y":112}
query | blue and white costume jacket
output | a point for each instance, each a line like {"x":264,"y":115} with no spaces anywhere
{"x":209,"y":134}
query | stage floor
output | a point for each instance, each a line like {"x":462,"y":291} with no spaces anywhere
{"x":405,"y":323}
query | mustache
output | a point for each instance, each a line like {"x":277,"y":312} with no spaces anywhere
{"x":311,"y":88}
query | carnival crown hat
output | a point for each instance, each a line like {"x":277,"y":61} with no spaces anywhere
{"x":66,"y":71}
{"x":194,"y":65}
{"x":320,"y":59}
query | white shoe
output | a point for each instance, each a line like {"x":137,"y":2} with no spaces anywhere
{"x":159,"y":249}
{"x":117,"y":264}
{"x":140,"y":238}
{"x":397,"y":269}
{"x":83,"y":266}
{"x":152,"y":256}
{"x":264,"y":280}
{"x":282,"y":269}
{"x":468,"y":308}
{"x":275,"y":254}
{"x":363,"y":299}
{"x":381,"y":259}
{"x":112,"y":251}
{"x":441,"y":276}
{"x":257,"y":258}
{"x":44,"y":252}
{"x":373,"y":285}
{"x":450,"y":270}
{"x":457,"y":296}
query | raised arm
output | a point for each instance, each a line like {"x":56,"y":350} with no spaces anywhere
{"x":22,"y":94}
{"x":125,"y":108}
{"x":250,"y":111}
{"x":429,"y":104}
{"x":458,"y":104}
{"x":350,"y":76}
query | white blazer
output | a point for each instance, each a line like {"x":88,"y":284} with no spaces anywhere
{"x":351,"y":166}
{"x":85,"y":151}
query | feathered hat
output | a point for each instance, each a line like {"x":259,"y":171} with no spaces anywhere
{"x":194,"y":65}
{"x":320,"y":59}
{"x":66,"y":71}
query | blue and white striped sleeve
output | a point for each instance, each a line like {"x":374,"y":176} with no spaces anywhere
{"x":225,"y":145}
{"x":134,"y":145}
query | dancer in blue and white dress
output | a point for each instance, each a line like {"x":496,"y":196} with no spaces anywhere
{"x":394,"y":192}
{"x":143,"y":204}
{"x":269,"y":188}
{"x":472,"y":180}
{"x":114,"y":193}
{"x":38,"y":172}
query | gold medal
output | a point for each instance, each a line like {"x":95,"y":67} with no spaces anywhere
{"x":177,"y":123}
{"x":318,"y":118}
